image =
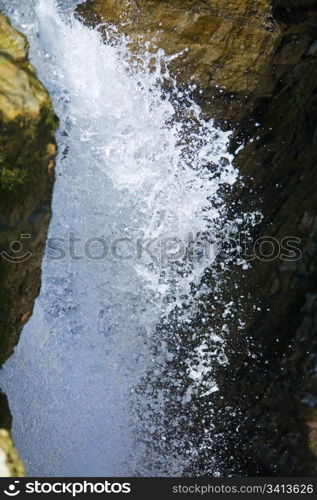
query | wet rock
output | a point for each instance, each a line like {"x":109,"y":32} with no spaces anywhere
{"x":312,"y":51}
{"x":21,"y":94}
{"x":225,"y":44}
{"x":27,"y":153}
{"x":10,"y":462}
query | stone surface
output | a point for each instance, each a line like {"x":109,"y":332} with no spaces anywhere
{"x":275,"y":369}
{"x":225,"y":44}
{"x":27,"y":153}
{"x":10,"y":462}
{"x":21,"y":94}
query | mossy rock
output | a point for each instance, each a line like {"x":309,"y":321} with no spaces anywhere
{"x":10,"y":462}
{"x":26,"y":113}
{"x":12,"y":43}
{"x":27,"y":155}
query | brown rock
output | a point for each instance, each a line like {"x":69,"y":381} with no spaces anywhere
{"x":225,"y":44}
{"x":10,"y":462}
{"x":27,"y":153}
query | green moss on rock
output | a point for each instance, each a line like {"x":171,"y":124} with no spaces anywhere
{"x":26,"y":114}
{"x":12,"y":43}
{"x":27,"y":154}
{"x":10,"y":462}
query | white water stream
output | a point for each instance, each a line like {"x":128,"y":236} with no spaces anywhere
{"x":134,"y":162}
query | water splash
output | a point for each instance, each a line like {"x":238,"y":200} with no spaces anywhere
{"x":136,"y":163}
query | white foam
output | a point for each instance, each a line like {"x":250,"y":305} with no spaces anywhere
{"x":131,"y":167}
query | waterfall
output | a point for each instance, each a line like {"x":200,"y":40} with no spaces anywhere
{"x":141,"y":182}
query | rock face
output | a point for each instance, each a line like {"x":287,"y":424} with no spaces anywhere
{"x":255,"y":62}
{"x":21,"y":92}
{"x":10,"y":463}
{"x":27,"y":152}
{"x":225,"y":44}
{"x":279,"y":411}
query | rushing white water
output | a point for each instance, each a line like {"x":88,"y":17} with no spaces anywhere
{"x":134,"y":162}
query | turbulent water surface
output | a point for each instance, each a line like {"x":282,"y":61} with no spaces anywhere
{"x":102,"y":382}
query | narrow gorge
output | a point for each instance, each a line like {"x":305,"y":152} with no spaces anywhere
{"x":152,"y":349}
